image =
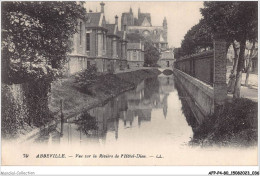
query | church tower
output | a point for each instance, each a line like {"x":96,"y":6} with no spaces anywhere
{"x":165,"y":29}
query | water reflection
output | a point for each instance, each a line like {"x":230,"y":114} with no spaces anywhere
{"x":150,"y":113}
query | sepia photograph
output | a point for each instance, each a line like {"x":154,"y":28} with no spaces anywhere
{"x":129,"y":83}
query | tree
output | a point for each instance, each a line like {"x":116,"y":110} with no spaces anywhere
{"x":151,"y":54}
{"x":36,"y":38}
{"x":178,"y":53}
{"x":199,"y":37}
{"x":252,"y":53}
{"x":236,"y":20}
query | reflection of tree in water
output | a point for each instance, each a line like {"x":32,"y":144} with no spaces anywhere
{"x":183,"y":96}
{"x":151,"y":86}
{"x":86,"y":123}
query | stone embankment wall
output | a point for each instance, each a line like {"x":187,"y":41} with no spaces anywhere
{"x":208,"y":96}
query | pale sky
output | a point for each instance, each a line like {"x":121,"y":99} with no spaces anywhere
{"x":181,"y":16}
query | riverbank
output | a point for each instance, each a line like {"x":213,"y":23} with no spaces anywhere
{"x":235,"y":125}
{"x":107,"y":86}
{"x":75,"y":100}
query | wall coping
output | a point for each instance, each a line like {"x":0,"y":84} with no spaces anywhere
{"x":193,"y":56}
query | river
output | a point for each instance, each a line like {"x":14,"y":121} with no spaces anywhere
{"x":151,"y":114}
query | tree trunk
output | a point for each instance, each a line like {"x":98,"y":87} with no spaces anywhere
{"x":240,"y":67}
{"x":235,"y":59}
{"x":249,"y":65}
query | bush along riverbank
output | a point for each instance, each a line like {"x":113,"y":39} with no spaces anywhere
{"x":235,"y":125}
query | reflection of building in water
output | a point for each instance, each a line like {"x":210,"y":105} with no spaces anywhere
{"x":128,"y":107}
{"x":153,"y":95}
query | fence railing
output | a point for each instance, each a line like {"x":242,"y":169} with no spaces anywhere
{"x":200,"y":66}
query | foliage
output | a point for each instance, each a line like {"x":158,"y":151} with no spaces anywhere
{"x":86,"y":123}
{"x":235,"y":124}
{"x":84,"y":80}
{"x":151,"y":54}
{"x":24,"y":106}
{"x":14,"y":113}
{"x":36,"y":96}
{"x":36,"y":37}
{"x":178,"y":53}
{"x":234,"y":20}
{"x":198,"y":37}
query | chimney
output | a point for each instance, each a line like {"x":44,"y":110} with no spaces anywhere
{"x":102,"y":4}
{"x":116,"y":20}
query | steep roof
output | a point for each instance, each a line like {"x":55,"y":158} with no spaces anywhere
{"x":142,"y":17}
{"x":136,"y":46}
{"x":111,"y":28}
{"x":93,"y":19}
{"x":167,"y":55}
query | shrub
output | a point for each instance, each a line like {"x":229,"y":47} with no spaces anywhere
{"x":86,"y":79}
{"x":86,"y":123}
{"x":236,"y":123}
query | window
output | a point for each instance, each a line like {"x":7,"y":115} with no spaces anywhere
{"x":88,"y":42}
{"x":104,"y":41}
{"x":80,"y":33}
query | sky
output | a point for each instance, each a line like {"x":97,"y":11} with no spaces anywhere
{"x":181,"y":16}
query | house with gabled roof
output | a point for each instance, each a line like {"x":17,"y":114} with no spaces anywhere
{"x":96,"y":36}
{"x":166,"y":59}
